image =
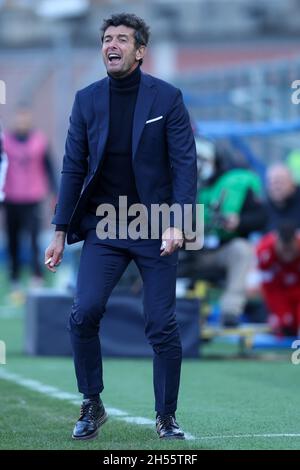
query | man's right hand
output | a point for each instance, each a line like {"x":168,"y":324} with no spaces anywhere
{"x":55,"y":251}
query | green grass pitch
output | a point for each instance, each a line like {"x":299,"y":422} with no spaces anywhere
{"x":224,"y":404}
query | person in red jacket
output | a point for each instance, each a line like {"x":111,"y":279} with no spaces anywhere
{"x":278,"y":256}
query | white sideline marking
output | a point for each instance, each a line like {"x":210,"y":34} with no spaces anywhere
{"x":238,"y":436}
{"x":72,"y":398}
{"x":138,"y":420}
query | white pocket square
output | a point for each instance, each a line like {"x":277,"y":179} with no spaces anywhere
{"x":154,"y":119}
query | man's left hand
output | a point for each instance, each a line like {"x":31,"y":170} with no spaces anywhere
{"x":172,"y":239}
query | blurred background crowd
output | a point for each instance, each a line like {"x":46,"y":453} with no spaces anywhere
{"x":235,"y":61}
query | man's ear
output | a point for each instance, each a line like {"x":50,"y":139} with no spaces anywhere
{"x":140,"y":53}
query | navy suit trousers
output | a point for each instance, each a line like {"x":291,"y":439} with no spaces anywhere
{"x":101,"y":265}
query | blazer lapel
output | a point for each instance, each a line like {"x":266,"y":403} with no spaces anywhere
{"x":143,"y":105}
{"x":101,"y":106}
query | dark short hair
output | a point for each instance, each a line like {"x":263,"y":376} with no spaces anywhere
{"x":141,"y":29}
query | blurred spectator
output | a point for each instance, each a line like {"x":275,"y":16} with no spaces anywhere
{"x":232,"y":210}
{"x":283,"y":197}
{"x":29,"y":177}
{"x":278,"y":256}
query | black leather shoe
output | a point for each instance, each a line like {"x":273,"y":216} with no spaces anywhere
{"x":92,"y":416}
{"x":168,"y":428}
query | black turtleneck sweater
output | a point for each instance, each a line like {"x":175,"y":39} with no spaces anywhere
{"x":115,"y":177}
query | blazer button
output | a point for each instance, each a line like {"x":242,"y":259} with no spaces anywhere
{"x":75,"y":236}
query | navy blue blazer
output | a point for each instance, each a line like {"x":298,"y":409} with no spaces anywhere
{"x":163,"y":150}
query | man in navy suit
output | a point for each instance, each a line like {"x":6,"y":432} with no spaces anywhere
{"x":129,"y":135}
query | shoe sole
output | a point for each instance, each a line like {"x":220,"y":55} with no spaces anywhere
{"x":95,"y":434}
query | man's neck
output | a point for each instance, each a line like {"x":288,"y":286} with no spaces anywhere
{"x":133,"y":76}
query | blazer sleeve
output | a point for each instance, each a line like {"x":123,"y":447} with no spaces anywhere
{"x":75,"y":164}
{"x":182,"y":154}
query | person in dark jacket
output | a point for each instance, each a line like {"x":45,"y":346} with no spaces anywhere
{"x":283,"y":197}
{"x":130,"y":135}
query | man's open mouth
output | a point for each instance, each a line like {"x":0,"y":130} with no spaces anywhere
{"x":114,"y":58}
